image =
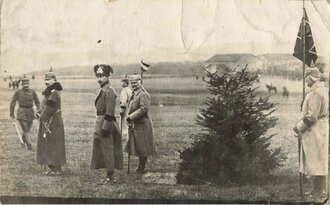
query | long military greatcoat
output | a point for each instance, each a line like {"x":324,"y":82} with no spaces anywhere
{"x":51,"y":147}
{"x":107,"y":151}
{"x":142,"y":141}
{"x":315,"y":140}
{"x":124,"y":98}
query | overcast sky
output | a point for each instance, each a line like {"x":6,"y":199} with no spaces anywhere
{"x":37,"y":34}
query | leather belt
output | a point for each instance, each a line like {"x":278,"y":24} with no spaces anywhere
{"x":106,"y":117}
{"x":100,"y":113}
{"x":26,"y":106}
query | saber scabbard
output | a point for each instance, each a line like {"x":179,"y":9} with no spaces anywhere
{"x":45,"y":125}
{"x":18,"y":132}
{"x":130,"y":133}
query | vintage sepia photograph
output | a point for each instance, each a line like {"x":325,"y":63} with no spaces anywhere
{"x":164,"y":101}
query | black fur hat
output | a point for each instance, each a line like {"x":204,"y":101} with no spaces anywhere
{"x":103,"y":69}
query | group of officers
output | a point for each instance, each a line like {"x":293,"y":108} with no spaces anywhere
{"x":107,"y":151}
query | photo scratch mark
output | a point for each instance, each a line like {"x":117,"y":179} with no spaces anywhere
{"x":197,"y":43}
{"x":325,"y":22}
{"x":277,"y":38}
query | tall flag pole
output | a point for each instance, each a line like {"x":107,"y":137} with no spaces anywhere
{"x":144,"y":68}
{"x":305,"y":51}
{"x":304,"y":48}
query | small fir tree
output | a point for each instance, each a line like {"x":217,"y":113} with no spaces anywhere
{"x":233,"y":146}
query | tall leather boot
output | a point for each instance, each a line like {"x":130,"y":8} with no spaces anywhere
{"x":138,"y":170}
{"x":111,"y":177}
{"x":319,"y":186}
{"x":23,"y":138}
{"x":142,"y":165}
{"x":27,"y":142}
{"x":55,"y":170}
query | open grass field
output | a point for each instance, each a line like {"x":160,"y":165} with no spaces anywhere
{"x":175,"y":103}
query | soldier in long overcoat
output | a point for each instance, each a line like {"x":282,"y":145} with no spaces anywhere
{"x":141,"y":142}
{"x":51,"y":143}
{"x":25,"y":114}
{"x":313,"y":131}
{"x":107,"y":151}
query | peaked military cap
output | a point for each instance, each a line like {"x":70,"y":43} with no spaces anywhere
{"x":103,"y":69}
{"x":135,"y":77}
{"x":25,"y":81}
{"x":125,"y":79}
{"x":314,"y":72}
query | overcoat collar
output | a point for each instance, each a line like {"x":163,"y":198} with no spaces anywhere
{"x":137,"y":92}
{"x":104,"y":88}
{"x":316,"y":85}
{"x":55,"y":86}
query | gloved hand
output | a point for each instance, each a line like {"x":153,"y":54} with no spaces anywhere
{"x":12,"y":116}
{"x":296,"y":132}
{"x":129,"y":122}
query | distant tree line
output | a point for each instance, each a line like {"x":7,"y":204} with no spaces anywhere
{"x":277,"y":70}
{"x":284,"y":71}
{"x":187,"y":68}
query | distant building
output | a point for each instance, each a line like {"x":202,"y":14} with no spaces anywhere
{"x":218,"y":62}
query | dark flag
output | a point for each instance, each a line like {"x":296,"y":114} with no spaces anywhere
{"x":144,"y":66}
{"x":310,"y":51}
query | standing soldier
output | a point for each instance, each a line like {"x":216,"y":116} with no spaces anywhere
{"x":25,"y":112}
{"x":125,"y":94}
{"x":51,"y":146}
{"x":141,"y":142}
{"x":313,"y":131}
{"x":107,"y":151}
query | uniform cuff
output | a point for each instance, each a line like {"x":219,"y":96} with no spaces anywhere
{"x":307,"y":122}
{"x":301,"y":127}
{"x":109,"y":118}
